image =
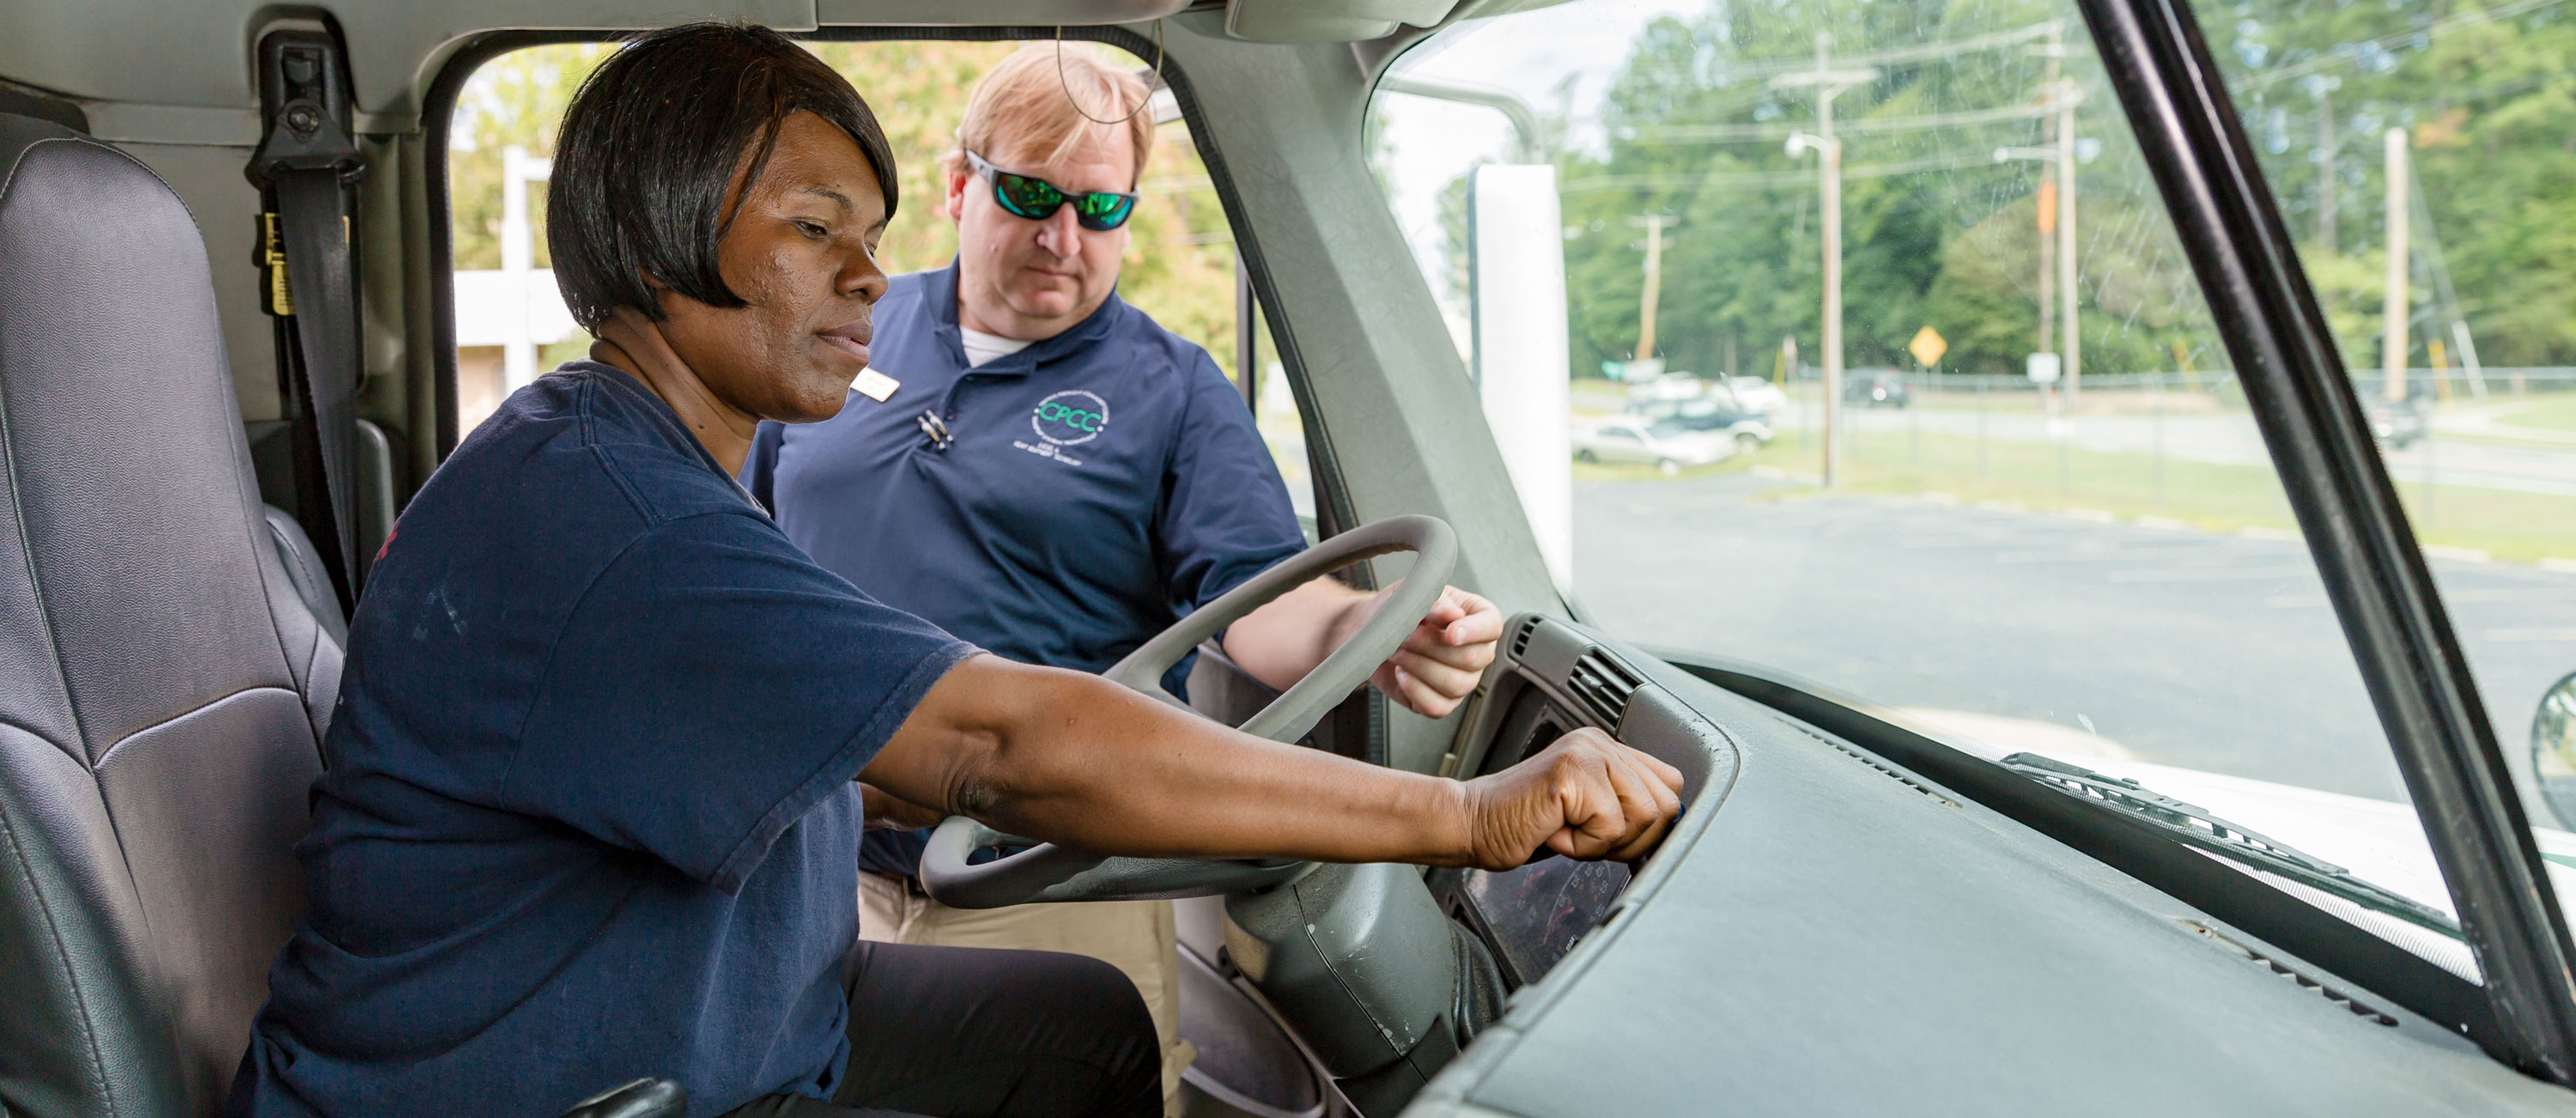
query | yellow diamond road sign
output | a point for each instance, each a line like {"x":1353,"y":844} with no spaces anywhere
{"x":1927,"y":347}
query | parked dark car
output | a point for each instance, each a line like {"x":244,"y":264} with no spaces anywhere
{"x":2402,"y":423}
{"x":1751,"y":429}
{"x":1876,"y":388}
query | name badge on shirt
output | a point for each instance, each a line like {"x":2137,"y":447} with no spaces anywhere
{"x":875,"y":385}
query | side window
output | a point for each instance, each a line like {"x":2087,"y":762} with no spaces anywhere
{"x":511,"y":324}
{"x":2420,"y":155}
{"x":2006,"y":483}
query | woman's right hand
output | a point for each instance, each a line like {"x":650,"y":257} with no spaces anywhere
{"x":1586,"y":796}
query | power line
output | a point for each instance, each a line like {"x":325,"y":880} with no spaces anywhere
{"x":1920,"y":52}
{"x":1758,"y":179}
{"x":1720,"y":133}
{"x":2343,"y":53}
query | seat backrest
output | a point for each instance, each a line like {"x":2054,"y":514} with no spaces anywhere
{"x":162,"y":687}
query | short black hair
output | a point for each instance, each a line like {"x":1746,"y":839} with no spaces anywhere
{"x":650,"y":145}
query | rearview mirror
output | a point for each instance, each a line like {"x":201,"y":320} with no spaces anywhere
{"x":2553,"y":750}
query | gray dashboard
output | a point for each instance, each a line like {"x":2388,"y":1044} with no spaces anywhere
{"x":1826,"y":932}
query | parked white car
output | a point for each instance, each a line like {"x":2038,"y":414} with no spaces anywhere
{"x":1668,"y":444}
{"x":1758,"y":396}
{"x":1668,"y":387}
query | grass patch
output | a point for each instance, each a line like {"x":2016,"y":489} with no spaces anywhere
{"x":2514,"y":527}
{"x":2558,"y":415}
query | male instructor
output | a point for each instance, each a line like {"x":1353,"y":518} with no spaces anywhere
{"x":1041,"y":469}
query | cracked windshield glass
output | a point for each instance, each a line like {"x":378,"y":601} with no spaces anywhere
{"x":1851,"y":340}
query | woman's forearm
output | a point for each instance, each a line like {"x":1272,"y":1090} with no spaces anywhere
{"x":1075,"y":759}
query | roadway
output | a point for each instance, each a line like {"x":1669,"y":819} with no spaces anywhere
{"x":2176,"y":646}
{"x":2225,"y":438}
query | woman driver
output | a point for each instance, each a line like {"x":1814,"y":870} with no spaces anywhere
{"x":593,"y":804}
{"x":1037,"y":466}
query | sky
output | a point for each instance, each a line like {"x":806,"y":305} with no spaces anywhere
{"x":1532,"y":54}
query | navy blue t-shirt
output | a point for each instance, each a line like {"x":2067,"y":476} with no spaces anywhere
{"x":1099,"y":485}
{"x":588,"y":813}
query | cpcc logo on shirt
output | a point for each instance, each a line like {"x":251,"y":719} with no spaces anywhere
{"x":1071,"y":417}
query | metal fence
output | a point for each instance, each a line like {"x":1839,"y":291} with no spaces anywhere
{"x":2450,"y":383}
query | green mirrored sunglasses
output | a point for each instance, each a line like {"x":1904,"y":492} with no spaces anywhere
{"x":1038,"y":199}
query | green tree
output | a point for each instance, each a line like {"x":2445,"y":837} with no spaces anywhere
{"x":2486,"y":91}
{"x":518,"y":100}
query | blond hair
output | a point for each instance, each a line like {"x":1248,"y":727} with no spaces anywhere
{"x":1047,"y":101}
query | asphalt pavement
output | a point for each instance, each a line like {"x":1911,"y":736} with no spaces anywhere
{"x":2220,"y":437}
{"x":2183,"y":647}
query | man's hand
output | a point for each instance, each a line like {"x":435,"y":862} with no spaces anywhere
{"x":1444,"y":656}
{"x":1586,"y":797}
{"x":1435,"y":669}
{"x":888,"y":812}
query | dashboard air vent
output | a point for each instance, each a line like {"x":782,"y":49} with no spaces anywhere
{"x":2355,"y":1006}
{"x":1520,"y":640}
{"x":1897,"y":775}
{"x":1603,"y":684}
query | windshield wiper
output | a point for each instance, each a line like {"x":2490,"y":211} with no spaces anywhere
{"x":2196,"y":826}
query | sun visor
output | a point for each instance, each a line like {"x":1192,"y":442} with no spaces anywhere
{"x":1328,"y":21}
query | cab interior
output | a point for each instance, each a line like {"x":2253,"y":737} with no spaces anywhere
{"x":1873,"y":921}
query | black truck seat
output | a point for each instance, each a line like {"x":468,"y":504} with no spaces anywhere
{"x":163,"y":686}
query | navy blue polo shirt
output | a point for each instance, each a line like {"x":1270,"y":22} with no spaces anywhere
{"x":1094,"y":487}
{"x":588,"y":813}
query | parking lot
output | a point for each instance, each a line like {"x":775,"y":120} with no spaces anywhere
{"x":2174,"y":644}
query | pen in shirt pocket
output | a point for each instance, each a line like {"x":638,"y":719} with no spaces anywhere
{"x":934,"y":427}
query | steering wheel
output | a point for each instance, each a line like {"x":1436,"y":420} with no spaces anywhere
{"x":1048,"y":872}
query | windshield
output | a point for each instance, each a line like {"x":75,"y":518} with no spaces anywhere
{"x":2421,"y":157}
{"x":2013,"y":490}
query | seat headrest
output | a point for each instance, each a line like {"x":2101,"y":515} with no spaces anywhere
{"x":129,"y":588}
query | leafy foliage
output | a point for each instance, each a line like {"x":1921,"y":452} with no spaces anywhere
{"x":1939,"y":230}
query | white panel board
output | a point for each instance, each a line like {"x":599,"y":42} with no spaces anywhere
{"x":1518,"y":263}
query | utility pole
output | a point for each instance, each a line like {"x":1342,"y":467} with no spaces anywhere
{"x":2393,"y":303}
{"x":2322,"y":87}
{"x":2057,"y":213}
{"x":2052,"y":55}
{"x":2047,"y":208}
{"x":1654,"y":225}
{"x":1828,"y":83}
{"x":2066,"y":95}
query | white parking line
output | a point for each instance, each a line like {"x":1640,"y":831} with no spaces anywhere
{"x":2456,"y":597}
{"x":2100,"y":554}
{"x":2213,"y":574}
{"x":2530,"y":634}
{"x":2512,"y":594}
{"x":1924,"y":543}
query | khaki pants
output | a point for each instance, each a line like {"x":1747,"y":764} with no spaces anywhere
{"x":1137,"y":937}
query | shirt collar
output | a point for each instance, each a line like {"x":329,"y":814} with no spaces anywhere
{"x":673,"y":430}
{"x":940,"y":289}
